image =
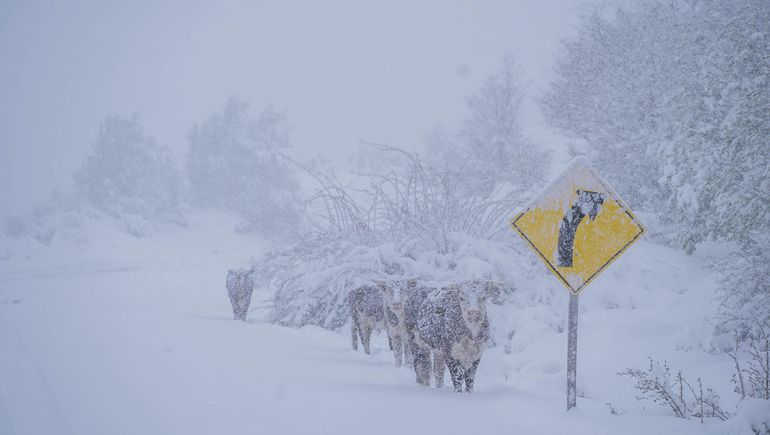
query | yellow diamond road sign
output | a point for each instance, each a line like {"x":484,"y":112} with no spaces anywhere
{"x":578,"y":225}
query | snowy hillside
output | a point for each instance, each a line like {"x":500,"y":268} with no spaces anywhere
{"x":126,"y":336}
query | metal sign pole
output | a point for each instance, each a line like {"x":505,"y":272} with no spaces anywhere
{"x":572,"y":351}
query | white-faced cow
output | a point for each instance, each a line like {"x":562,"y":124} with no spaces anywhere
{"x":367,"y":312}
{"x":393,"y":294}
{"x":240,"y":285}
{"x":452,"y":324}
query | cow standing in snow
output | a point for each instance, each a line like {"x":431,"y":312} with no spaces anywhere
{"x":452,"y":324}
{"x":415,"y":296}
{"x":395,"y":319}
{"x":240,"y":285}
{"x":367,"y":312}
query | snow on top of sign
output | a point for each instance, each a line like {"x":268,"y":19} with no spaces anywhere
{"x":579,"y":172}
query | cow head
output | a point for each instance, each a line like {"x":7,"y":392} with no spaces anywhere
{"x":473,"y":301}
{"x":392,"y":292}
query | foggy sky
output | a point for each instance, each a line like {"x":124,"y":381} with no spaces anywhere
{"x":380,"y":71}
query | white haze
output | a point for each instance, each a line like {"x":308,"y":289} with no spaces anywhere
{"x":380,"y":71}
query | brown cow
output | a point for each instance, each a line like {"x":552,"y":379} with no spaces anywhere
{"x":452,"y":324}
{"x":367,"y":314}
{"x":240,"y":285}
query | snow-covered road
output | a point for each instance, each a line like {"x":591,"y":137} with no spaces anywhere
{"x":147,"y":351}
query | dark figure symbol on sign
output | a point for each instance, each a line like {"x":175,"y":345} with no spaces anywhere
{"x":587,"y":203}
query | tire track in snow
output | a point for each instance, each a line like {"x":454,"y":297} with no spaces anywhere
{"x":23,"y":275}
{"x":26,"y":275}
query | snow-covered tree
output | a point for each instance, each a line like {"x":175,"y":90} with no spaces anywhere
{"x":672,"y":101}
{"x":490,"y":150}
{"x":236,"y":163}
{"x":129,"y":174}
{"x":718,"y":162}
{"x":610,"y":91}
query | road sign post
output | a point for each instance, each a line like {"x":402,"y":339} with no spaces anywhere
{"x":572,"y":320}
{"x":577,"y":225}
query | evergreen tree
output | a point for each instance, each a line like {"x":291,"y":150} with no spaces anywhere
{"x":490,"y":151}
{"x":236,"y":163}
{"x":129,"y":174}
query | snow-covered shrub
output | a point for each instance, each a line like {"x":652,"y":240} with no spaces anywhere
{"x":758,"y":367}
{"x":311,"y":280}
{"x":411,"y":221}
{"x":128,"y":175}
{"x":675,"y":392}
{"x":751,"y":359}
{"x":235,"y":163}
{"x":60,"y":215}
{"x":744,"y":288}
{"x":419,"y":201}
{"x":440,"y":217}
{"x":66,"y":216}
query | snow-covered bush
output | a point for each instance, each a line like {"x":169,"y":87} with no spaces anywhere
{"x":410,"y":222}
{"x":751,"y":359}
{"x":129,"y":176}
{"x":744,"y":288}
{"x":235,"y":163}
{"x":674,"y":392}
{"x":61,"y":215}
{"x":311,"y":280}
{"x":67,"y":216}
{"x":441,"y":217}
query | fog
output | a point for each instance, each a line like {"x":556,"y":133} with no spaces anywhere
{"x":345,"y":71}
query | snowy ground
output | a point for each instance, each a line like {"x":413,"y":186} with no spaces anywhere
{"x":127,"y":336}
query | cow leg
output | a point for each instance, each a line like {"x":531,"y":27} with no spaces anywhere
{"x":366,"y":335}
{"x":238,"y":309}
{"x":398,"y":349}
{"x":236,"y":306}
{"x":246,"y":301}
{"x":422,"y":365}
{"x":456,"y":372}
{"x":408,"y":352}
{"x":242,"y":308}
{"x":438,"y":368}
{"x":354,"y":331}
{"x":390,"y":341}
{"x":234,"y":303}
{"x":470,"y":376}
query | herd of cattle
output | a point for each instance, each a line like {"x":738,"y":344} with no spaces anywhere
{"x":428,"y":327}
